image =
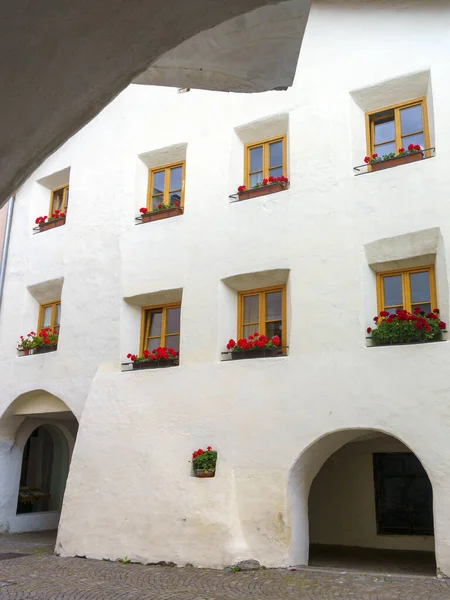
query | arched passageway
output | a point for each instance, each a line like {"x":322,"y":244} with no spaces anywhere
{"x":362,"y":499}
{"x":37,"y":438}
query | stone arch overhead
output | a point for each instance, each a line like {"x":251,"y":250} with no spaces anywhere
{"x":305,"y":468}
{"x":103,"y":51}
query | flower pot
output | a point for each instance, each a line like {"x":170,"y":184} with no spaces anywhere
{"x":155,"y":364}
{"x":263,"y":190}
{"x":259,"y":353}
{"x":156,"y":215}
{"x":394,"y":162}
{"x":201,"y":473}
{"x":45,"y":349}
{"x":52,"y":224}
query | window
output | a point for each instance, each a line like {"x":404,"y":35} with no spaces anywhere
{"x":59,"y":199}
{"x":403,"y":495}
{"x":161,"y":327}
{"x":407,"y":289}
{"x":50,"y":315}
{"x":263,"y":311}
{"x":397,"y":127}
{"x":265,"y":159}
{"x":166,"y":185}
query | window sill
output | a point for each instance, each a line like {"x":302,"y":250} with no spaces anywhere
{"x":394,"y":162}
{"x":34,"y":351}
{"x":50,"y":225}
{"x":369,"y":345}
{"x":263,"y":190}
{"x":157,"y":215}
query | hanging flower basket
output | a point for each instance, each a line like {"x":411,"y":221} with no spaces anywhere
{"x":204,"y":462}
{"x":255,"y":346}
{"x":57,"y":219}
{"x":156,"y":359}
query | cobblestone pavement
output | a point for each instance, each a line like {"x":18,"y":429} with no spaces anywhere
{"x":42,"y":576}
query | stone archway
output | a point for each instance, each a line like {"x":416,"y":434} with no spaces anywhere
{"x":36,"y":411}
{"x":339,"y":499}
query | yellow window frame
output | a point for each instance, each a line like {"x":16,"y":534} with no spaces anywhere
{"x":145,"y":324}
{"x":406,"y":291}
{"x":42,"y":308}
{"x":265,"y":152}
{"x":65,"y":189}
{"x":371,"y":118}
{"x":260,"y":327}
{"x":166,"y":193}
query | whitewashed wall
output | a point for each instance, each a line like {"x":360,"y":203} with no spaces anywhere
{"x":129,"y":490}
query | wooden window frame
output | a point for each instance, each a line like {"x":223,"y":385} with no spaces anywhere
{"x":261,"y":327}
{"x":167,"y":169}
{"x":265,"y":145}
{"x":42,"y":307}
{"x":406,"y":291}
{"x":145,"y":326}
{"x":52,"y":198}
{"x":370,"y":122}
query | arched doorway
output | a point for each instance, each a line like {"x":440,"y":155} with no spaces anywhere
{"x":44,"y":470}
{"x":362,"y":499}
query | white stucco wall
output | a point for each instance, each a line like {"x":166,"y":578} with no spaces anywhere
{"x":342,"y":500}
{"x":129,"y":490}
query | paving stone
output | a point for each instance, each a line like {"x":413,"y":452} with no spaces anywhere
{"x":43,"y":576}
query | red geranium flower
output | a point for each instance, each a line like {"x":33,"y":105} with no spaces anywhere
{"x":384,"y":313}
{"x":401,"y":150}
{"x":442,"y":325}
{"x":276,"y":340}
{"x":367,"y":159}
{"x":160,"y":206}
{"x":369,"y":330}
{"x":241,"y":188}
{"x":176,"y":203}
{"x":143,"y":210}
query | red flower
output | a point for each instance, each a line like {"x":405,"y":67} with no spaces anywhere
{"x":160,"y":206}
{"x":133,"y":357}
{"x":367,"y":159}
{"x":401,"y":150}
{"x":143,"y":210}
{"x":417,"y":309}
{"x":417,"y":147}
{"x":241,"y":343}
{"x":256,"y":334}
{"x":249,"y":345}
{"x":436,"y":311}
{"x":128,"y":355}
{"x":411,"y":147}
{"x":374,"y":155}
{"x":271,"y":179}
{"x":62,"y":214}
{"x":199,"y":452}
{"x":209,"y":448}
{"x":384,"y":313}
{"x":265,"y":181}
{"x":46,"y":341}
{"x":442,"y":325}
{"x":261,"y":344}
{"x":276,"y":340}
{"x":369,"y":330}
{"x":176,"y":203}
{"x":241,"y":188}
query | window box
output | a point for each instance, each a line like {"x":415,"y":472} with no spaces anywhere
{"x":394,"y":162}
{"x":52,"y":224}
{"x":262,"y":190}
{"x":44,"y":349}
{"x":155,"y":364}
{"x":156,"y":215}
{"x":262,"y":353}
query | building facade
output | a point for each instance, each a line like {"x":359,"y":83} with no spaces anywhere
{"x":331,"y":441}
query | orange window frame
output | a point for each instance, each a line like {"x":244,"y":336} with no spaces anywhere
{"x":406,"y":290}
{"x":166,"y":193}
{"x":266,"y":153}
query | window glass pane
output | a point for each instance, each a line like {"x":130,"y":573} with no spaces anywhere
{"x":251,"y":309}
{"x":392,"y":286}
{"x":276,"y":172}
{"x":47,"y":316}
{"x":411,"y":119}
{"x":157,"y":200}
{"x":173,"y":320}
{"x":158,"y":182}
{"x":175,"y":178}
{"x":255,"y":178}
{"x":273,"y":306}
{"x":153,"y":343}
{"x":415,"y":139}
{"x":274,"y":328}
{"x":155,"y":324}
{"x":250,"y":330}
{"x":385,"y":149}
{"x":175,"y":197}
{"x":420,"y":287}
{"x":256,"y":159}
{"x":173,"y":341}
{"x":67,"y":198}
{"x":58,"y":314}
{"x":58,"y":200}
{"x":275,"y":154}
{"x":384,"y":132}
{"x":391,"y":311}
{"x":426,"y":308}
